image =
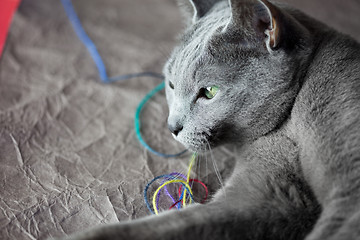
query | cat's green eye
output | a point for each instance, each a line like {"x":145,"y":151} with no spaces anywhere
{"x":210,"y":92}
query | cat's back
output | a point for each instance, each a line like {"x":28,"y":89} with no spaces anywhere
{"x":330,"y":91}
{"x":335,"y":57}
{"x":331,"y":77}
{"x":325,"y":118}
{"x":332,"y":80}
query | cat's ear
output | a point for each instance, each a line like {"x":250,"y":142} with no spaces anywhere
{"x":195,"y":9}
{"x":263,"y":16}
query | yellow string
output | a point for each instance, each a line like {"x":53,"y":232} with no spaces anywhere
{"x":163,"y":185}
{"x":192,"y":161}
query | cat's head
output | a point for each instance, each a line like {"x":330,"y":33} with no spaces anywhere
{"x":233,"y":77}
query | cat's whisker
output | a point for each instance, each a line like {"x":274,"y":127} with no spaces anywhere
{"x":216,"y":169}
{"x":163,"y":51}
{"x":206,"y":165}
{"x":198,"y":169}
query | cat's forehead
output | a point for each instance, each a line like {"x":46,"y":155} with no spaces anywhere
{"x":205,"y":50}
{"x":192,"y":51}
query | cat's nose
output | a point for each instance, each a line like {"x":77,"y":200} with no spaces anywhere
{"x":175,"y":128}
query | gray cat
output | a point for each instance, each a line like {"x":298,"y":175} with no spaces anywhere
{"x":286,"y":89}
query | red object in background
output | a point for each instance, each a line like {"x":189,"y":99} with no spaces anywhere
{"x":7,"y":9}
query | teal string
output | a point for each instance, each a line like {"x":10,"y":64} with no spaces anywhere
{"x":147,"y":97}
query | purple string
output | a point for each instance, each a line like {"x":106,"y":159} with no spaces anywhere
{"x":176,"y":174}
{"x":171,"y":176}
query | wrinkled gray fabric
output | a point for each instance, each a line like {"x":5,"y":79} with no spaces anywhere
{"x":69,"y":156}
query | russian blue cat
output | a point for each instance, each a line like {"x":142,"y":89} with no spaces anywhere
{"x":285,"y":89}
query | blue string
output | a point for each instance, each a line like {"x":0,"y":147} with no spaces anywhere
{"x":91,"y":47}
{"x":167,"y":176}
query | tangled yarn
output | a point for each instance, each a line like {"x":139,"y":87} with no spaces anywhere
{"x":185,"y":191}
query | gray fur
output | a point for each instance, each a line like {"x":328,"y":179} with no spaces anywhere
{"x":293,"y":109}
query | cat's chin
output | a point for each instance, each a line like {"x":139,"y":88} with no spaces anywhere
{"x":198,"y":148}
